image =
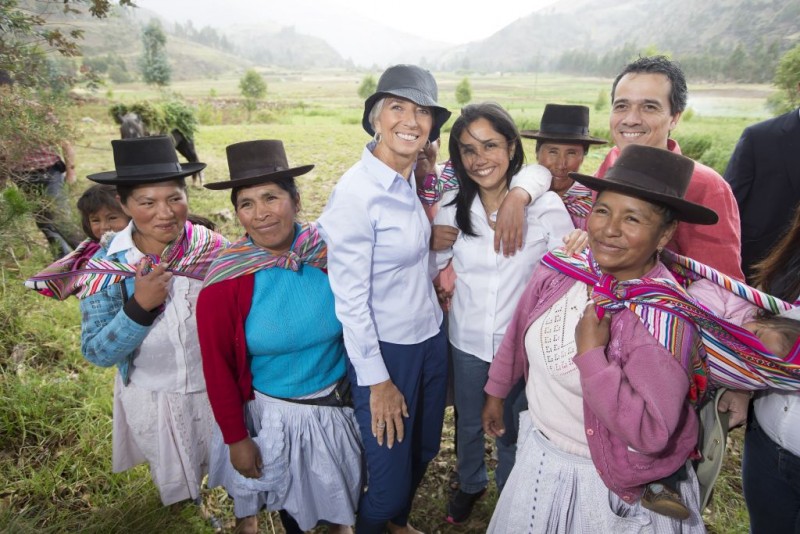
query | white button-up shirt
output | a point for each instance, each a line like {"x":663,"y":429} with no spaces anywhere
{"x":378,"y":237}
{"x":778,"y":413}
{"x":488,"y":284}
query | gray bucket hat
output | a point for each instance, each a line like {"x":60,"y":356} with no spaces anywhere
{"x":411,"y":83}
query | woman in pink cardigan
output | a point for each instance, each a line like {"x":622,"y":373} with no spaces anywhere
{"x":610,"y":392}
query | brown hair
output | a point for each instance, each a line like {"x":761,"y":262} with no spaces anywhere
{"x":788,"y":328}
{"x":771,"y":274}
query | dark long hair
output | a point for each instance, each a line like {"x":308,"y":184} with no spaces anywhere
{"x":94,"y":199}
{"x":777,"y":274}
{"x":502,"y":122}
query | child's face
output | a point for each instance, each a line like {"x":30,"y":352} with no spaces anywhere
{"x":107,"y":220}
{"x":772,"y":339}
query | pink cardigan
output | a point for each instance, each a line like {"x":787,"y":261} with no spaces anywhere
{"x":639,"y":423}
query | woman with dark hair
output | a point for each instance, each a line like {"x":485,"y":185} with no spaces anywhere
{"x":138,"y":296}
{"x":772,"y":444}
{"x":486,"y":152}
{"x":274,"y":358}
{"x":378,"y":237}
{"x":610,"y":391}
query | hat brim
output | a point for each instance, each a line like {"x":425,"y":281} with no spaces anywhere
{"x":111,"y":177}
{"x":684,"y":210}
{"x":261,"y":179}
{"x":440,"y":115}
{"x":565,"y":138}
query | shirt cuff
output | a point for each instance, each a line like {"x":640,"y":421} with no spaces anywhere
{"x":592,"y":361}
{"x":139,"y":315}
{"x":370,"y":371}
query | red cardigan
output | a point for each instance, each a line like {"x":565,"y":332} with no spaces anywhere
{"x":222,"y":310}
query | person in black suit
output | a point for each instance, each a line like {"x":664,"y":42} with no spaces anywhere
{"x":764,"y":173}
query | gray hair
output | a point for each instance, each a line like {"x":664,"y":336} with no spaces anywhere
{"x":375,"y":111}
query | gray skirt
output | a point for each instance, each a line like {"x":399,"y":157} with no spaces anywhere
{"x":312,"y":458}
{"x":551,"y":491}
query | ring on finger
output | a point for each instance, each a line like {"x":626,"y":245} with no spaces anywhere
{"x":381,"y":425}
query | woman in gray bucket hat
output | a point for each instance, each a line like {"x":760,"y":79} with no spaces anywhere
{"x":378,"y":235}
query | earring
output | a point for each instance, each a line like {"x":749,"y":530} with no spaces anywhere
{"x":658,"y":253}
{"x":377,"y":137}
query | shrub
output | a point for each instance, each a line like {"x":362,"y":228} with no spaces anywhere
{"x":695,"y":145}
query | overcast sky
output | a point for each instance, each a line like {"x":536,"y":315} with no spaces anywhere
{"x":453,"y":22}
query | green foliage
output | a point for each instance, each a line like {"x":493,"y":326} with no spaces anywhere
{"x":367,"y":87}
{"x":153,"y":63}
{"x":787,"y":76}
{"x":778,"y":103}
{"x":688,"y":114}
{"x":694,"y":146}
{"x":253,"y":88}
{"x":160,"y":117}
{"x":463,"y":92}
{"x":27,"y":39}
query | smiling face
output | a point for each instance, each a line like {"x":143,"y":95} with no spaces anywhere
{"x":624,"y":234}
{"x":159,"y":212}
{"x":404,"y":128}
{"x":640,"y":112}
{"x":486,"y":154}
{"x":107,"y":220}
{"x":267,"y":212}
{"x":560,"y":159}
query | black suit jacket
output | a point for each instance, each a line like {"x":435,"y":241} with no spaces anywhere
{"x":764,"y":173}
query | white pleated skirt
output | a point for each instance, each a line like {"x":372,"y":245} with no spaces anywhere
{"x":312,"y":458}
{"x":551,"y":491}
{"x":171,"y":432}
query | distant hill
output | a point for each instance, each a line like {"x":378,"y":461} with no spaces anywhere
{"x":271,"y":44}
{"x":734,"y":37}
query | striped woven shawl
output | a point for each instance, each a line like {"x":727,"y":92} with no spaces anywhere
{"x":190,"y":255}
{"x":244,"y":257}
{"x":735,"y":357}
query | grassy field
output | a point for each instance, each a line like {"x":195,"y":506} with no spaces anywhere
{"x":55,"y":409}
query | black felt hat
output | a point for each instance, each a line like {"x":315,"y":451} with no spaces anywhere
{"x":145,"y":160}
{"x":652,"y":174}
{"x":566,"y":123}
{"x":411,"y":83}
{"x":257,"y":162}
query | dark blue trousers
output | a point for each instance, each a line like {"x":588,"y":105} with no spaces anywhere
{"x":771,"y":479}
{"x":420,"y":373}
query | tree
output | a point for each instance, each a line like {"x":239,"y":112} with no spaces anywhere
{"x":463,"y":92}
{"x":154,"y":64}
{"x":27,"y":38}
{"x":253,"y":88}
{"x":787,"y":76}
{"x":367,"y":87}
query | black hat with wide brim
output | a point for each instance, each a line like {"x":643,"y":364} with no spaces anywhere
{"x":257,"y":162}
{"x":565,"y":123}
{"x":652,"y":174}
{"x":410,"y":83}
{"x":145,"y":160}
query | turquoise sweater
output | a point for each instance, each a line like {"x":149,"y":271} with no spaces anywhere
{"x":294,"y":339}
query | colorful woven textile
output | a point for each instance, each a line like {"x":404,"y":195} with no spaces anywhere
{"x":244,"y":257}
{"x":578,"y":200}
{"x":641,"y":296}
{"x":190,"y":255}
{"x":435,"y":185}
{"x":735,"y":357}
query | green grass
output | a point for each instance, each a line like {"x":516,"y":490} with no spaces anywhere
{"x":55,"y":409}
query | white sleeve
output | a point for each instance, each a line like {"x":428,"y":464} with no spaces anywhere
{"x":555,"y":218}
{"x":446,"y":216}
{"x":346,"y":227}
{"x":533,"y":179}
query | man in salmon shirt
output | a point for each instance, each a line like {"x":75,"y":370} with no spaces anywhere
{"x":647,"y":100}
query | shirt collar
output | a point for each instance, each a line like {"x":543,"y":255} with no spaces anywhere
{"x":123,"y":240}
{"x":384,"y":174}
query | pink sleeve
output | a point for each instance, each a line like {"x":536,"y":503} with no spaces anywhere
{"x":642,"y":398}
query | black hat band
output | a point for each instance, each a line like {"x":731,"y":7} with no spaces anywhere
{"x":571,"y":129}
{"x":148,"y":169}
{"x":261,"y":171}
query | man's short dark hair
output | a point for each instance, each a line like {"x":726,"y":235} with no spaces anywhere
{"x":659,"y":65}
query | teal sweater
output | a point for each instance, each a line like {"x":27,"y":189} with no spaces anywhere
{"x":294,"y":339}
